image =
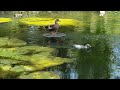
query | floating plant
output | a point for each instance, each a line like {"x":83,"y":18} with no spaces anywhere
{"x":40,"y":75}
{"x":13,"y":42}
{"x":48,"y":21}
{"x":3,"y":20}
{"x":28,"y":59}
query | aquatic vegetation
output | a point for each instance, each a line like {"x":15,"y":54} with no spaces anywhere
{"x":16,"y":61}
{"x":48,"y":21}
{"x":5,"y":67}
{"x":13,"y":42}
{"x":5,"y":73}
{"x":34,"y":49}
{"x":23,"y":68}
{"x":9,"y":61}
{"x":3,"y":20}
{"x":30,"y":58}
{"x":40,"y":75}
{"x":9,"y":53}
{"x":43,"y":62}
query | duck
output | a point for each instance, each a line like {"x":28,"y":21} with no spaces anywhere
{"x":82,"y":46}
{"x":102,"y":13}
{"x":53,"y":28}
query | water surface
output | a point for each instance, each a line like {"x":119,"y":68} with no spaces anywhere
{"x":101,"y":61}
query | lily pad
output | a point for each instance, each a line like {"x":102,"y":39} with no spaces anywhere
{"x":48,"y":21}
{"x":3,"y":20}
{"x":13,"y":42}
{"x":40,"y":75}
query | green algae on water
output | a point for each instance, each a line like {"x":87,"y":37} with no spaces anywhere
{"x":40,"y":75}
{"x":13,"y":42}
{"x":3,"y":20}
{"x":14,"y":63}
{"x":48,"y":21}
{"x":37,"y":59}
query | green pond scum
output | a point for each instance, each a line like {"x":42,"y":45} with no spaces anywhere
{"x":40,"y":75}
{"x":13,"y":42}
{"x":48,"y":21}
{"x":4,"y":20}
{"x":18,"y":58}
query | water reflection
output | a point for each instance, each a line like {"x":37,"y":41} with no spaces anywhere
{"x":87,"y":19}
{"x":89,"y":64}
{"x":30,"y":34}
{"x":94,"y":64}
{"x":5,"y":29}
{"x":100,"y":28}
{"x":115,"y":74}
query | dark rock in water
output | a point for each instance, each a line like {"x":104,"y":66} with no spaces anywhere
{"x":49,"y":35}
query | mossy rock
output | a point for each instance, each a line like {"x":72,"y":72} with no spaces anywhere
{"x":40,"y":75}
{"x":13,"y":42}
{"x":4,"y":20}
{"x":48,"y":21}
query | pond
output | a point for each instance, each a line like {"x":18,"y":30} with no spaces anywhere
{"x":100,"y":61}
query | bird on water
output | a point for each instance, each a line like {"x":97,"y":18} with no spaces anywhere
{"x":53,"y":28}
{"x":82,"y":46}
